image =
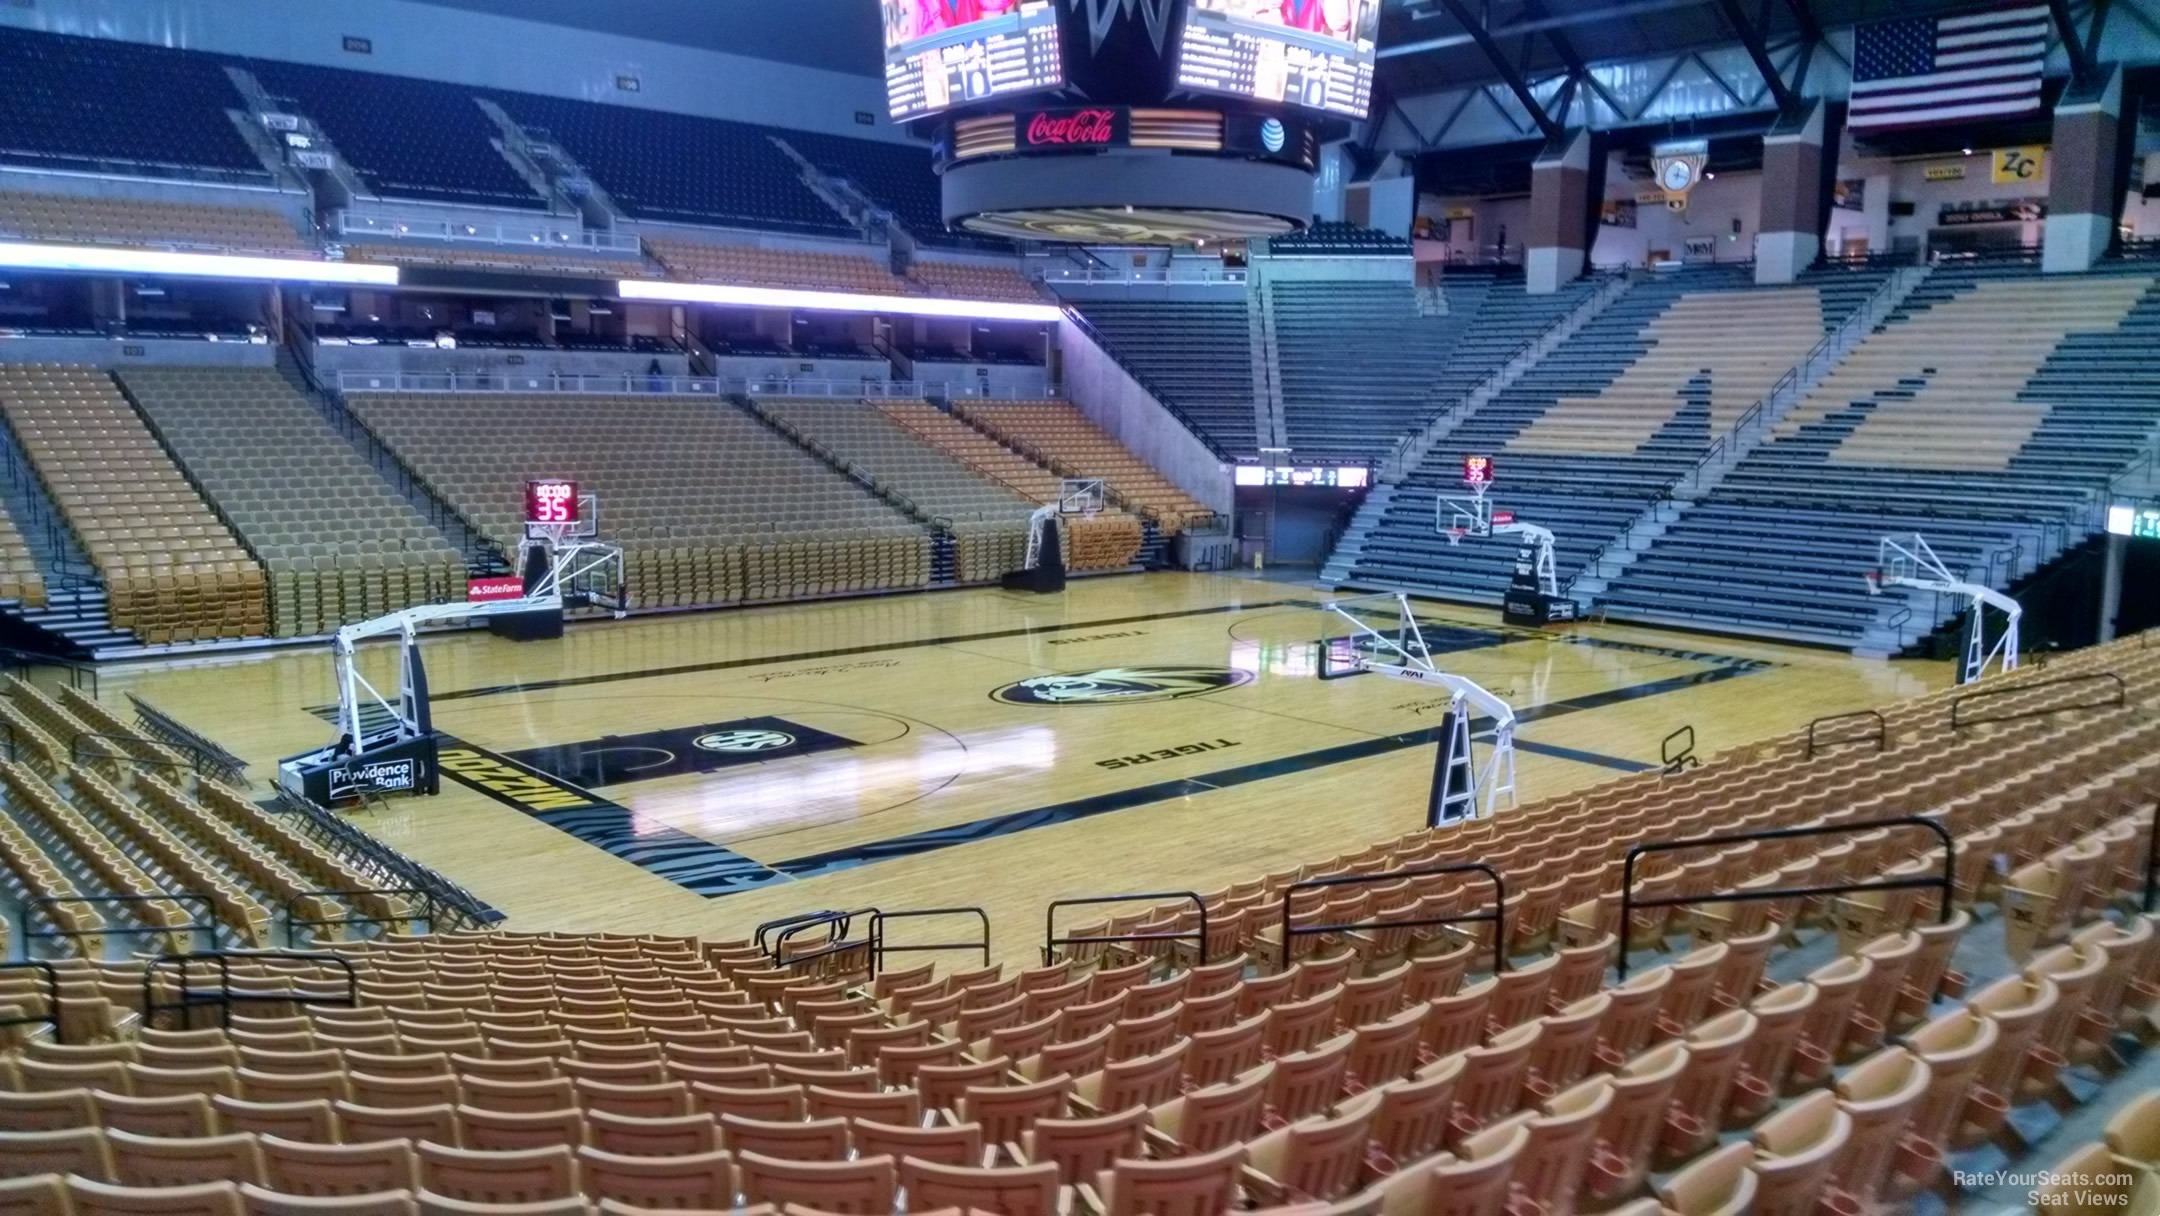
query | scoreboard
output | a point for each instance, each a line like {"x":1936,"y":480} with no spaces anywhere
{"x":1316,"y":54}
{"x":944,"y":53}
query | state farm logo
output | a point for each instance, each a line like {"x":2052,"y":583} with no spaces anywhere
{"x":1078,"y":127}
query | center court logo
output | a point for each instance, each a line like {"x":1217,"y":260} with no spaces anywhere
{"x":745,"y":741}
{"x":1121,"y":685}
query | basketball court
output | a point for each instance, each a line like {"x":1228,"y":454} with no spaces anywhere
{"x":703,"y":773}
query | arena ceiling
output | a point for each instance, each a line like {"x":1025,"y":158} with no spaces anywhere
{"x":1426,"y":46}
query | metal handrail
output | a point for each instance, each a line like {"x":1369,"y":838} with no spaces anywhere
{"x":1497,"y":917}
{"x":805,"y":919}
{"x":1756,"y":415}
{"x":185,"y":765}
{"x":362,"y":849}
{"x":1395,"y":465}
{"x":226,"y":997}
{"x":1947,"y":883}
{"x":82,"y":677}
{"x":879,"y":949}
{"x":52,"y":997}
{"x":1678,"y":760}
{"x":1051,"y":940}
{"x":1881,"y":735}
{"x":2121,"y":698}
{"x":177,"y":735}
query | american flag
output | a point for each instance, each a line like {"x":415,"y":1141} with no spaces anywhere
{"x":1913,"y":71}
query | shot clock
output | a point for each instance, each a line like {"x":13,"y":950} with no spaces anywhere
{"x":551,"y":501}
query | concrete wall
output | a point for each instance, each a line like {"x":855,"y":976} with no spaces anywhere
{"x":759,"y":366}
{"x":113,"y":352}
{"x":993,"y":380}
{"x":478,"y":49}
{"x":1367,"y":269}
{"x":332,"y":359}
{"x":1712,"y":207}
{"x":1107,"y":393}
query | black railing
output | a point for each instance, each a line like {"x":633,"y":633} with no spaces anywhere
{"x":879,"y":949}
{"x":839,"y":925}
{"x":874,"y":946}
{"x":453,"y":906}
{"x":1198,"y":937}
{"x":77,"y":750}
{"x":225,"y":997}
{"x":205,"y":922}
{"x":1959,"y":720}
{"x":1880,"y":736}
{"x":1677,"y":752}
{"x":81,"y":677}
{"x":1946,"y":883}
{"x":1497,"y":917}
{"x":52,"y":1000}
{"x":804,"y":918}
{"x":166,"y":729}
{"x":428,"y":911}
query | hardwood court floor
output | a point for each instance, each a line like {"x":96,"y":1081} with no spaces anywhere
{"x":703,"y":773}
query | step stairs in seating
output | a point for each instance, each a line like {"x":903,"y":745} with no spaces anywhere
{"x":73,"y":621}
{"x":1352,"y":542}
{"x":482,"y":556}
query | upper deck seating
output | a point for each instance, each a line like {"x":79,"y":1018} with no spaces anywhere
{"x":698,"y":261}
{"x":98,"y":104}
{"x":737,"y":178}
{"x":73,"y":219}
{"x":408,"y":138}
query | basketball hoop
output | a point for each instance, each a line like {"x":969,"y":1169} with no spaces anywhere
{"x":1454,"y":535}
{"x":1873,"y":579}
{"x":1081,"y":496}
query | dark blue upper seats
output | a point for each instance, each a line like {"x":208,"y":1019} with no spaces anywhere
{"x":663,"y":166}
{"x":91,"y":103}
{"x":898,"y":177}
{"x":408,"y":138}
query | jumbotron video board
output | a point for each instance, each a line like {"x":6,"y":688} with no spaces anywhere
{"x":1316,"y":54}
{"x":944,"y":53}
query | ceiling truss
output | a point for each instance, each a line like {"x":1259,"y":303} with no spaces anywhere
{"x":1750,"y":75}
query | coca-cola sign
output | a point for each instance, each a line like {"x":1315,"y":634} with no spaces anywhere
{"x":1092,"y":128}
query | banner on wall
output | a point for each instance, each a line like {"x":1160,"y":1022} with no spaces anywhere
{"x":2015,"y":166}
{"x":1952,"y":172}
{"x":1701,"y":246}
{"x":1961,"y":215}
{"x":1850,"y":194}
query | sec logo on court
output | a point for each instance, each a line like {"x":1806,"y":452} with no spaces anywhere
{"x":1121,"y":685}
{"x":745,"y":741}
